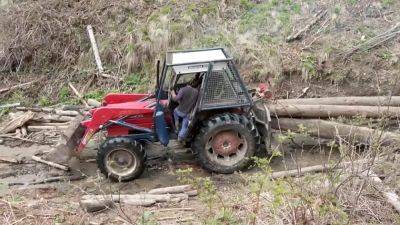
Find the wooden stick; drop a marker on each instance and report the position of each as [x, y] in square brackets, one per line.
[50, 180]
[55, 165]
[391, 197]
[89, 29]
[78, 94]
[8, 160]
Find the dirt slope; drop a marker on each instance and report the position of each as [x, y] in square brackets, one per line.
[48, 38]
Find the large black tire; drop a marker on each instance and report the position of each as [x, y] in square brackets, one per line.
[215, 143]
[123, 150]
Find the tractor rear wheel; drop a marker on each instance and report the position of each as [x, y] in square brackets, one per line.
[121, 159]
[226, 143]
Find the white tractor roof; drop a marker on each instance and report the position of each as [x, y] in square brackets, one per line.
[195, 56]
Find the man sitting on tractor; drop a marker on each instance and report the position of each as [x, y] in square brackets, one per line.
[186, 97]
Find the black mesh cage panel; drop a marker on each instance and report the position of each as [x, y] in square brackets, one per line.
[223, 88]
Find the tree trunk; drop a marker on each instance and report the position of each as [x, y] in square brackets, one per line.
[326, 111]
[355, 100]
[332, 130]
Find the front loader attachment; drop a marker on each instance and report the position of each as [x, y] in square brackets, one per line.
[68, 143]
[262, 118]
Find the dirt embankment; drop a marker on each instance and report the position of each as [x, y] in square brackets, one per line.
[48, 38]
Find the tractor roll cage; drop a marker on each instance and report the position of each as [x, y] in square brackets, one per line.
[221, 87]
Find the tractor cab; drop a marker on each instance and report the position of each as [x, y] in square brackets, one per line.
[218, 82]
[224, 130]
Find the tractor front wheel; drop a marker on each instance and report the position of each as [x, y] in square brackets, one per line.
[226, 143]
[121, 159]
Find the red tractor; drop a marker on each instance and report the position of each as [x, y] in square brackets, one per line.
[224, 129]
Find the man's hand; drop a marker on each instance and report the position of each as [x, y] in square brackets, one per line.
[173, 94]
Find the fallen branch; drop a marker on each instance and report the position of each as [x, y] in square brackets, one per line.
[8, 160]
[76, 92]
[391, 197]
[50, 180]
[52, 164]
[302, 31]
[375, 41]
[320, 168]
[26, 139]
[17, 86]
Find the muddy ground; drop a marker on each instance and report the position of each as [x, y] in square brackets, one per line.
[58, 202]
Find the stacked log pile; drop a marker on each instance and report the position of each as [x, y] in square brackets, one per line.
[37, 124]
[318, 117]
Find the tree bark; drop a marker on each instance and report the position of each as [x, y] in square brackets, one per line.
[326, 111]
[332, 130]
[351, 100]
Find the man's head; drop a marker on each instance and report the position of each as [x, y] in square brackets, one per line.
[196, 81]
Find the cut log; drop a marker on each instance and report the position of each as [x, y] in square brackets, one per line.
[354, 100]
[17, 122]
[391, 197]
[92, 203]
[63, 124]
[52, 118]
[93, 102]
[333, 130]
[52, 164]
[40, 128]
[327, 111]
[171, 190]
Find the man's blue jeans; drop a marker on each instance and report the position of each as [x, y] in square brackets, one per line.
[184, 118]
